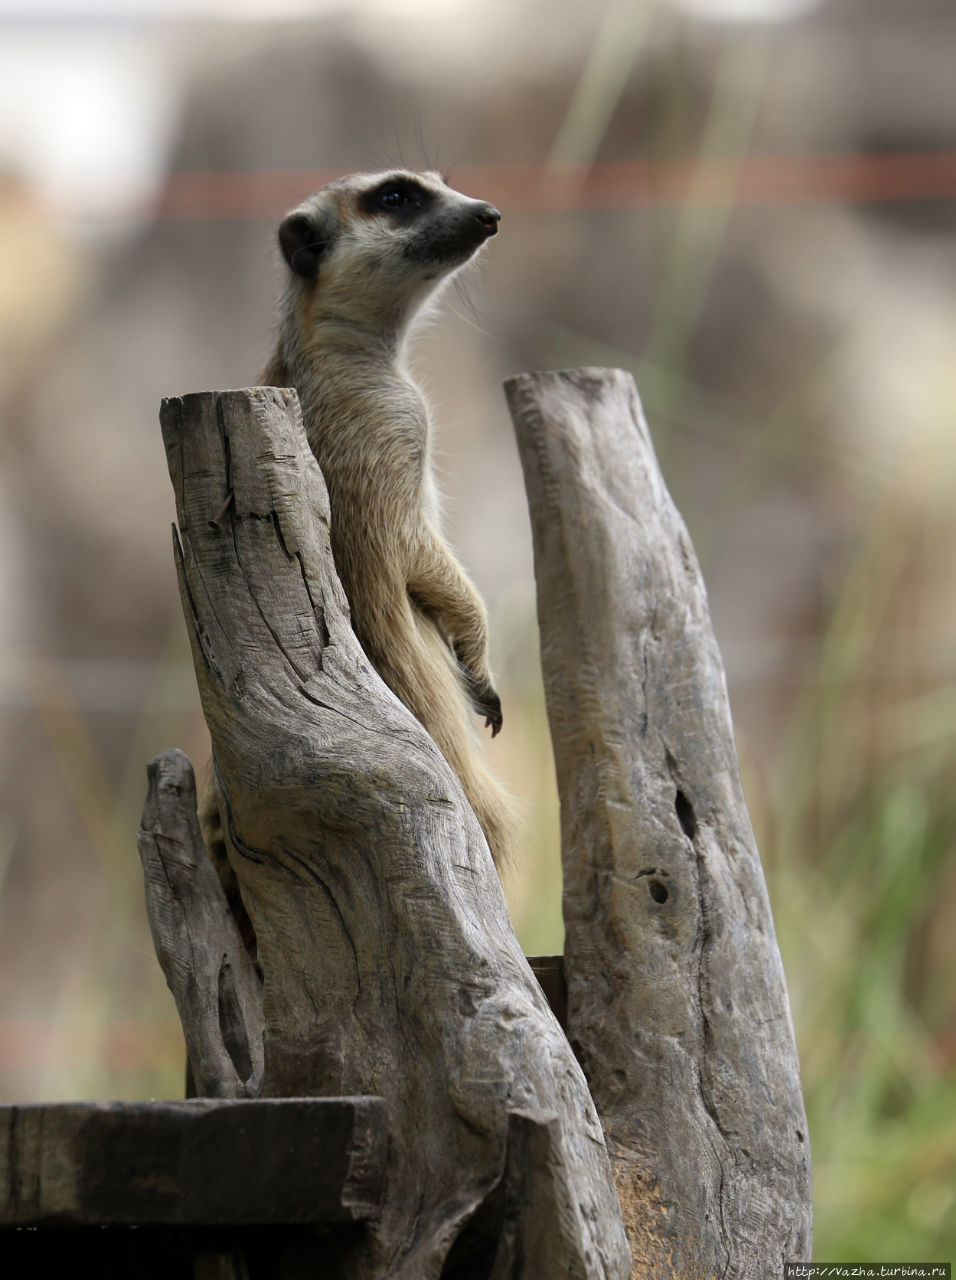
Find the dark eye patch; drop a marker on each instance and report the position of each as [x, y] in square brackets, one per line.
[397, 198]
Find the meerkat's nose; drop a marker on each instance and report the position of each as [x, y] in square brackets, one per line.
[489, 217]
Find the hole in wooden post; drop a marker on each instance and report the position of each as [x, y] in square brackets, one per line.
[658, 891]
[685, 815]
[232, 1023]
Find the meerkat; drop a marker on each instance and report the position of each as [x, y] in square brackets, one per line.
[364, 256]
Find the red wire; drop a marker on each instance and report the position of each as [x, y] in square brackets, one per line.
[633, 184]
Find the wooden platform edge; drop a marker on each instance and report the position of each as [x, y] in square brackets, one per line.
[200, 1161]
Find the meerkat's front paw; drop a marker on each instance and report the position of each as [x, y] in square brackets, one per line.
[483, 698]
[490, 706]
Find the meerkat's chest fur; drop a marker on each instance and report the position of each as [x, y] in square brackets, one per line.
[364, 415]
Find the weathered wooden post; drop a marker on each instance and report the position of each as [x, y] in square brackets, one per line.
[443, 1129]
[677, 1006]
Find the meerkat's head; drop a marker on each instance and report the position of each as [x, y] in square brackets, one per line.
[370, 248]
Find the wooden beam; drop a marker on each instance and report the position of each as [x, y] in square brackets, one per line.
[191, 1162]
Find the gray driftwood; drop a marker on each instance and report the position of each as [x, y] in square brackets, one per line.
[389, 964]
[676, 1000]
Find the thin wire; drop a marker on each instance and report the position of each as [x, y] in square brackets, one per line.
[887, 177]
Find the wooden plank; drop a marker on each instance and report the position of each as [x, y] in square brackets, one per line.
[196, 1161]
[677, 1007]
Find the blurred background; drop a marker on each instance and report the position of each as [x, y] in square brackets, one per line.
[750, 204]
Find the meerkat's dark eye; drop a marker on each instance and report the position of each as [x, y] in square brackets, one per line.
[399, 198]
[394, 198]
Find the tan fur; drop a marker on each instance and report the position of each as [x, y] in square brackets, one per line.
[360, 271]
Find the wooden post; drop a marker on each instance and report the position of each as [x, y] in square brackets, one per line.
[677, 1007]
[389, 966]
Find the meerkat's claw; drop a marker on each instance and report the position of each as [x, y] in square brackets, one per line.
[492, 709]
[484, 699]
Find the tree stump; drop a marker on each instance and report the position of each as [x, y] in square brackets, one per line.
[676, 1003]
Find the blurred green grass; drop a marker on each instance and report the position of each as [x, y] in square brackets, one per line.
[859, 844]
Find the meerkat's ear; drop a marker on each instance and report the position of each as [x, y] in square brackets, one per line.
[303, 240]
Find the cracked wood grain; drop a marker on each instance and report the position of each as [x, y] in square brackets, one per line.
[389, 966]
[676, 1002]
